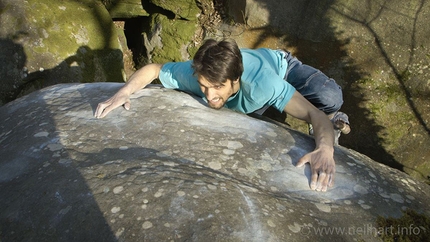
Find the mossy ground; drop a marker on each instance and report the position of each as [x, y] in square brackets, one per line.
[384, 108]
[411, 227]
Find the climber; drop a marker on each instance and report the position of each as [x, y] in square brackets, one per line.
[250, 81]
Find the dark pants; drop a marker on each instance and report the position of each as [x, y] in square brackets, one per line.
[320, 90]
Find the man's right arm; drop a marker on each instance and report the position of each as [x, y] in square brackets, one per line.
[137, 81]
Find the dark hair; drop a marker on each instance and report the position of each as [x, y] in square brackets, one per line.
[218, 61]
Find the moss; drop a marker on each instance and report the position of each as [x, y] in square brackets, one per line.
[125, 9]
[192, 49]
[410, 227]
[389, 107]
[88, 42]
[71, 32]
[185, 9]
[421, 171]
[176, 36]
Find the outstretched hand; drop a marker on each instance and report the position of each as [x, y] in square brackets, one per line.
[322, 168]
[107, 106]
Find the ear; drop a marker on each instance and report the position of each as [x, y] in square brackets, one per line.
[235, 84]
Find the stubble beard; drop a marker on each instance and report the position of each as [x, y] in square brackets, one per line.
[218, 105]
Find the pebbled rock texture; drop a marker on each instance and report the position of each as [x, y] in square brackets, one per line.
[171, 169]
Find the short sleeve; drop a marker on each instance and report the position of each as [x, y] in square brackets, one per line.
[180, 75]
[282, 94]
[275, 92]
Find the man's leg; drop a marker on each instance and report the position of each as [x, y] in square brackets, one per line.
[322, 91]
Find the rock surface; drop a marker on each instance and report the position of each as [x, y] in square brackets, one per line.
[173, 169]
[121, 9]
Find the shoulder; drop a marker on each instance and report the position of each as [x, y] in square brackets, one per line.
[180, 71]
[178, 75]
[258, 65]
[260, 53]
[177, 66]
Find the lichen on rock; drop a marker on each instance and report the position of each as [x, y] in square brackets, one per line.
[62, 41]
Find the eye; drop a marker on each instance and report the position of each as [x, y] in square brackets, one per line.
[218, 87]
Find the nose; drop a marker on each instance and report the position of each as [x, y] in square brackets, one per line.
[209, 92]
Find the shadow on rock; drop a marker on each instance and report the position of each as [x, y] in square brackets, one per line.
[172, 168]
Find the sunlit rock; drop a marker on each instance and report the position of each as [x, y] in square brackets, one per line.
[173, 169]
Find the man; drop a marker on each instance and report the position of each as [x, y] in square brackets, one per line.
[249, 81]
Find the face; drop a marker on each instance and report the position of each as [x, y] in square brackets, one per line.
[218, 94]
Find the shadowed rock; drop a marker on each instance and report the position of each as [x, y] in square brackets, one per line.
[173, 169]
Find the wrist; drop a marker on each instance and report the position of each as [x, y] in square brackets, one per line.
[326, 147]
[126, 90]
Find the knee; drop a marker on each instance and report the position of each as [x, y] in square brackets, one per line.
[331, 97]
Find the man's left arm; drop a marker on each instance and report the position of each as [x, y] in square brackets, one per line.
[321, 159]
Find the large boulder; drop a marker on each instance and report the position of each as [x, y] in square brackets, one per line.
[47, 42]
[173, 169]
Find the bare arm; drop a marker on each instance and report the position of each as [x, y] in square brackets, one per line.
[321, 159]
[137, 81]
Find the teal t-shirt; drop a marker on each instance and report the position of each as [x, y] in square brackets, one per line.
[262, 82]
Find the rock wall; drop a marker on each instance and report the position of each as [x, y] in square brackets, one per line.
[50, 42]
[173, 169]
[56, 42]
[173, 32]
